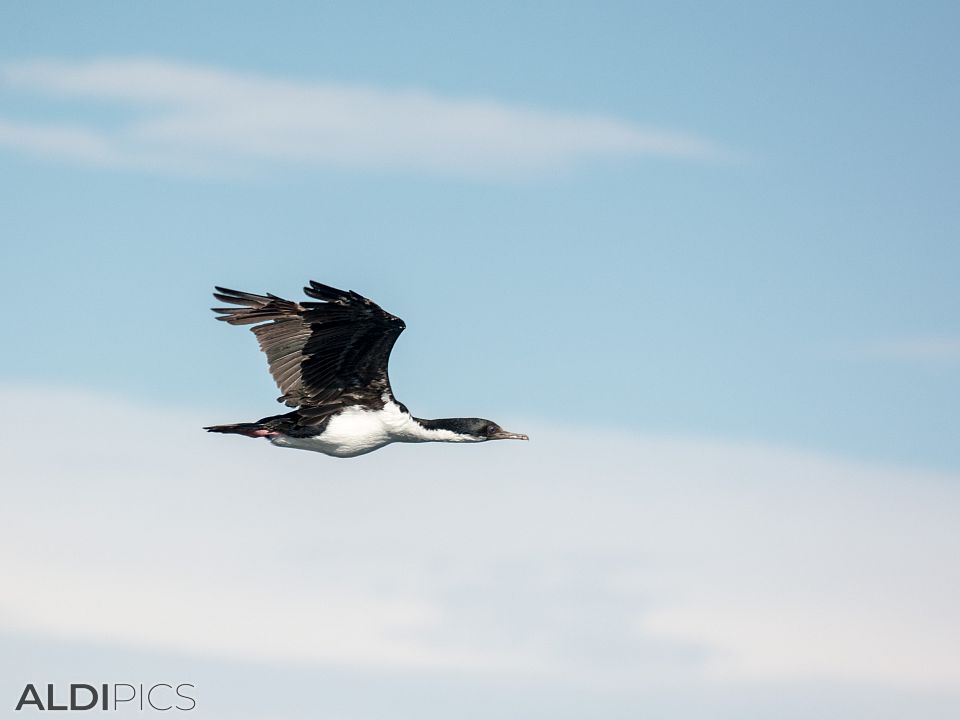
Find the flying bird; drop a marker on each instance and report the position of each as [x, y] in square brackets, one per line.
[329, 359]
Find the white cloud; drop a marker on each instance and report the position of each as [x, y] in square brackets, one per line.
[617, 560]
[200, 118]
[68, 142]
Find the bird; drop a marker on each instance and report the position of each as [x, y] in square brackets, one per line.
[329, 357]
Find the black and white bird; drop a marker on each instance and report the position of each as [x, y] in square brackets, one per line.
[329, 359]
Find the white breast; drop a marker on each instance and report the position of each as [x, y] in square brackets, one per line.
[357, 431]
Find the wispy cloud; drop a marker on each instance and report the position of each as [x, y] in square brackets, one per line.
[67, 142]
[201, 118]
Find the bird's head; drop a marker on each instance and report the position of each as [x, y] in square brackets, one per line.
[482, 430]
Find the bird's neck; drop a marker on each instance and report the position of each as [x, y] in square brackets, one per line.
[452, 424]
[441, 430]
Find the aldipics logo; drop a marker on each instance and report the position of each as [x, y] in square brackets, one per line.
[116, 696]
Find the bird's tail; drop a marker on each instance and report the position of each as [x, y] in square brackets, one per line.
[253, 430]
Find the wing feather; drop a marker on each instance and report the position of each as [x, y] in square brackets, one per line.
[323, 354]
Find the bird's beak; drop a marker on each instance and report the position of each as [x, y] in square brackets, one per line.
[504, 435]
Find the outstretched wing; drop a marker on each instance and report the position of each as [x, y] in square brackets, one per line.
[322, 355]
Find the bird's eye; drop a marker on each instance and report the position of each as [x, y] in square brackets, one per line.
[490, 429]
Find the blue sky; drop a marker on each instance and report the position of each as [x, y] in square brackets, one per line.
[774, 292]
[713, 249]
